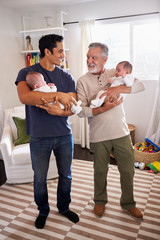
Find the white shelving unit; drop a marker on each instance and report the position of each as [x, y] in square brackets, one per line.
[38, 33]
[43, 29]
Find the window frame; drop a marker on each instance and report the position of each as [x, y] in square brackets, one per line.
[134, 21]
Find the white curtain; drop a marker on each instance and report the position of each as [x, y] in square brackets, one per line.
[153, 132]
[87, 36]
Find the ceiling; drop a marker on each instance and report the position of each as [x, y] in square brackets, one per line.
[28, 4]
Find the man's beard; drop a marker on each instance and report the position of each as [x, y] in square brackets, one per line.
[93, 70]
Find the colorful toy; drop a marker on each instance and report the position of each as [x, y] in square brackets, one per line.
[140, 165]
[155, 166]
[156, 147]
[148, 146]
[136, 164]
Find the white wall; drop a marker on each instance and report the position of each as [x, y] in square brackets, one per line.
[106, 8]
[11, 59]
[138, 108]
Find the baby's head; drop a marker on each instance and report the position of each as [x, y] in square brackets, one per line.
[35, 80]
[123, 68]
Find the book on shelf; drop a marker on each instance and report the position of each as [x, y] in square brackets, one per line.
[31, 59]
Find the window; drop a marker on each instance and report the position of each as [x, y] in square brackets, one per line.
[133, 39]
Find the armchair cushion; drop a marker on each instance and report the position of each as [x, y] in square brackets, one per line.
[21, 131]
[12, 123]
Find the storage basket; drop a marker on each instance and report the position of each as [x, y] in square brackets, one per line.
[145, 157]
[132, 129]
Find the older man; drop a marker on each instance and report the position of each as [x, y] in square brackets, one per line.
[108, 129]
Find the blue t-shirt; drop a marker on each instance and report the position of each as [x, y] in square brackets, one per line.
[38, 122]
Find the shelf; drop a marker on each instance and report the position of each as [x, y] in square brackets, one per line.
[31, 54]
[37, 51]
[43, 29]
[30, 51]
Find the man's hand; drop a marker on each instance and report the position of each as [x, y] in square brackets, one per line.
[50, 108]
[66, 99]
[111, 104]
[51, 85]
[112, 94]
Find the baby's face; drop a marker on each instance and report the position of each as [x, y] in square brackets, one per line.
[120, 70]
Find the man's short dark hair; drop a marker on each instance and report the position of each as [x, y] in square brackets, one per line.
[49, 41]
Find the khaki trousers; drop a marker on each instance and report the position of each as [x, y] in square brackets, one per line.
[124, 155]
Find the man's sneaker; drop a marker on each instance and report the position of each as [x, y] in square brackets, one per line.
[99, 210]
[135, 213]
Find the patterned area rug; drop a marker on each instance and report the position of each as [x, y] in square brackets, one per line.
[18, 211]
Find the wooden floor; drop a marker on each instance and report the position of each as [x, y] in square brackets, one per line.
[79, 153]
[82, 153]
[18, 210]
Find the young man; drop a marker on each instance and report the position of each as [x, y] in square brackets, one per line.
[108, 129]
[50, 133]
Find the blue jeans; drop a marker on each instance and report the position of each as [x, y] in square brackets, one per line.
[41, 148]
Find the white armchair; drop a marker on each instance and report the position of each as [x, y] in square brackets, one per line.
[17, 159]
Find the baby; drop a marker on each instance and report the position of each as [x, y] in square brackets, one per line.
[36, 82]
[122, 76]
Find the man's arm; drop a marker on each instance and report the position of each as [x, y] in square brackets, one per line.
[29, 97]
[113, 93]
